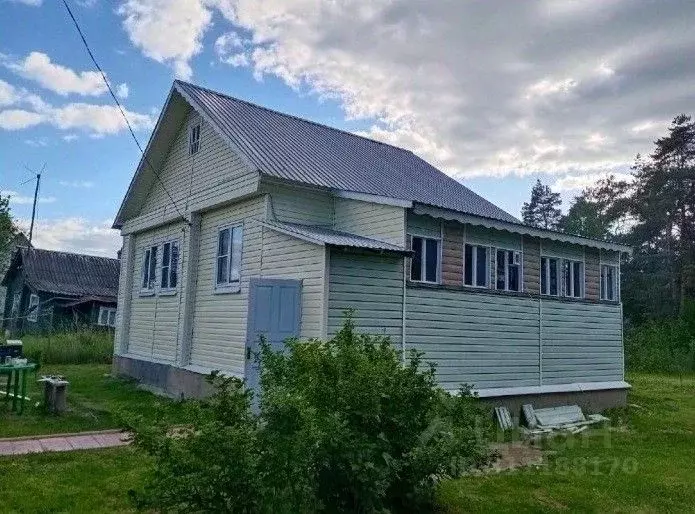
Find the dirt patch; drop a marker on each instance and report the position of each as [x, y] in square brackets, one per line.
[516, 455]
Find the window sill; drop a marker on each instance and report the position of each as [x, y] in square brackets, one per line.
[227, 290]
[146, 293]
[167, 292]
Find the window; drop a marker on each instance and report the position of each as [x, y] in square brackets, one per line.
[149, 269]
[549, 276]
[33, 314]
[194, 139]
[424, 266]
[508, 270]
[107, 317]
[228, 269]
[170, 263]
[573, 272]
[16, 300]
[609, 282]
[476, 266]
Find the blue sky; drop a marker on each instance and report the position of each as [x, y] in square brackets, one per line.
[565, 91]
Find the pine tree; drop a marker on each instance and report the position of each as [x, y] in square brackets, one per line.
[543, 210]
[7, 229]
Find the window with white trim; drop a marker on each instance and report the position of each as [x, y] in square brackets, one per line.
[33, 313]
[16, 301]
[194, 139]
[107, 316]
[228, 264]
[609, 282]
[424, 265]
[550, 271]
[149, 269]
[170, 264]
[508, 270]
[476, 265]
[573, 272]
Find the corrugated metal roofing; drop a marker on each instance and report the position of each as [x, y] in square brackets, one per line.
[319, 234]
[291, 148]
[70, 274]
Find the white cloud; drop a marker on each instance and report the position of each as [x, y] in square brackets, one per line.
[230, 47]
[70, 138]
[17, 119]
[20, 199]
[38, 67]
[122, 91]
[8, 94]
[32, 3]
[82, 184]
[36, 142]
[579, 182]
[168, 31]
[75, 235]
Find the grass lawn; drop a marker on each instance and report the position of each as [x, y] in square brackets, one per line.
[644, 464]
[94, 398]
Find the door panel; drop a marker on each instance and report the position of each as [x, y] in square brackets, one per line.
[275, 314]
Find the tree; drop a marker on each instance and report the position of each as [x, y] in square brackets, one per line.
[7, 230]
[543, 210]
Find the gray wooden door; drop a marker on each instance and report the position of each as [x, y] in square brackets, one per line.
[274, 313]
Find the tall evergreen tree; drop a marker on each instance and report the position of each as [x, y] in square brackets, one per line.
[543, 210]
[7, 229]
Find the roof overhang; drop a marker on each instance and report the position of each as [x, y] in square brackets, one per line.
[518, 228]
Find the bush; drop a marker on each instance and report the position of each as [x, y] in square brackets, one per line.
[78, 347]
[665, 345]
[341, 426]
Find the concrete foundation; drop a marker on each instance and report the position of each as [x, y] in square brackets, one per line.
[163, 378]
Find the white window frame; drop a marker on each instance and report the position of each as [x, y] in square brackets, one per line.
[148, 288]
[545, 270]
[231, 286]
[506, 269]
[603, 285]
[33, 313]
[166, 268]
[110, 317]
[194, 139]
[474, 268]
[16, 304]
[582, 287]
[423, 260]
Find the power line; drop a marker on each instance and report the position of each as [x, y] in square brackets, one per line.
[120, 108]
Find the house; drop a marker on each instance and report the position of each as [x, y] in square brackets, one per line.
[49, 290]
[19, 240]
[242, 221]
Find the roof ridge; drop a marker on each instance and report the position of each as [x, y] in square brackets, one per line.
[33, 249]
[293, 116]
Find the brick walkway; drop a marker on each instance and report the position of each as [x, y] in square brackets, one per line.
[64, 442]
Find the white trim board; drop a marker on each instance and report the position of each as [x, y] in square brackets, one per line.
[577, 387]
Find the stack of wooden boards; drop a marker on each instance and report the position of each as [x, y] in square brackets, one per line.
[568, 418]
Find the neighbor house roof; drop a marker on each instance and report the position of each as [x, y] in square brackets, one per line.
[327, 236]
[286, 147]
[68, 274]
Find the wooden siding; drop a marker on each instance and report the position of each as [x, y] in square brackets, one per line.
[125, 296]
[491, 237]
[609, 257]
[592, 273]
[481, 339]
[452, 254]
[153, 332]
[531, 265]
[382, 222]
[582, 342]
[287, 257]
[296, 204]
[372, 285]
[423, 226]
[219, 320]
[562, 250]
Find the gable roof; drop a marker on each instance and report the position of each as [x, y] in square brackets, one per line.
[290, 148]
[67, 274]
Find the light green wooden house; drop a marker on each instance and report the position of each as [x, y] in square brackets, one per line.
[242, 221]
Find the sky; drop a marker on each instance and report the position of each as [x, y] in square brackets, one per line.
[497, 94]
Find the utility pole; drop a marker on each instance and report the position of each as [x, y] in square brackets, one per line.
[36, 197]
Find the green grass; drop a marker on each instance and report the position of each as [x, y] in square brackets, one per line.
[94, 399]
[77, 347]
[644, 464]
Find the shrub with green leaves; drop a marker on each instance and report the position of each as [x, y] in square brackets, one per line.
[341, 426]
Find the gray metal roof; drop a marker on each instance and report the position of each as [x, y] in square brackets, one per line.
[322, 235]
[290, 148]
[68, 274]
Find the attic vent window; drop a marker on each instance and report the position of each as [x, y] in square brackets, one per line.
[194, 139]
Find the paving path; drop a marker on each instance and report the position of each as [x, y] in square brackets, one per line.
[64, 442]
